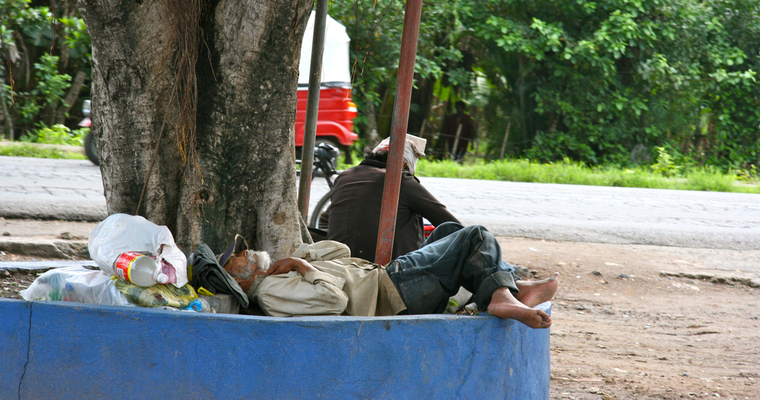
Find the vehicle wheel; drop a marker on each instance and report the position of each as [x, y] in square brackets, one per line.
[319, 218]
[90, 149]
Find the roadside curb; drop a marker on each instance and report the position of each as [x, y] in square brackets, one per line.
[715, 278]
[53, 248]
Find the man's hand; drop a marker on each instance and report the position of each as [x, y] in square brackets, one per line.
[290, 264]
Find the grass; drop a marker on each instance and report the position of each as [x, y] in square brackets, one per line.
[566, 172]
[20, 149]
[574, 173]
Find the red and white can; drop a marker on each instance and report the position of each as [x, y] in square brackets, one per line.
[127, 261]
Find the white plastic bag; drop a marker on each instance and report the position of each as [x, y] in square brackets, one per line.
[120, 233]
[77, 284]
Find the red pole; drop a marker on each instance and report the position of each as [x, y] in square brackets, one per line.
[399, 124]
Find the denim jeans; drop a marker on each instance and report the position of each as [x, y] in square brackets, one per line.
[452, 257]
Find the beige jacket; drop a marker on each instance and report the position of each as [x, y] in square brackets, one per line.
[342, 286]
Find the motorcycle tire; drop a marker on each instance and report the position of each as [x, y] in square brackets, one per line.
[90, 149]
[319, 218]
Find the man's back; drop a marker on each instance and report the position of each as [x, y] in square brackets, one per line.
[355, 210]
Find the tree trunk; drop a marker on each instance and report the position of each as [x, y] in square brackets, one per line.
[71, 97]
[422, 96]
[209, 88]
[371, 135]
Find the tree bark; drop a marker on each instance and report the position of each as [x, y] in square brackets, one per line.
[229, 167]
[422, 96]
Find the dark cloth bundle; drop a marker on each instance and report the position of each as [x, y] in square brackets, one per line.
[207, 273]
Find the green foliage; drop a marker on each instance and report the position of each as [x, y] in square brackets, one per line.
[665, 164]
[58, 134]
[50, 90]
[567, 171]
[42, 48]
[588, 80]
[30, 150]
[442, 64]
[76, 38]
[608, 75]
[747, 175]
[709, 180]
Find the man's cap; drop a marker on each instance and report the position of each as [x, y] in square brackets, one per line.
[237, 245]
[415, 142]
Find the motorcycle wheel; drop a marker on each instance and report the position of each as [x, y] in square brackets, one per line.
[320, 219]
[90, 149]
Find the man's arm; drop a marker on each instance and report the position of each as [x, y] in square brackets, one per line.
[291, 264]
[294, 287]
[424, 203]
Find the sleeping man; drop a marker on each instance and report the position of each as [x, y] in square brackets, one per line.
[322, 279]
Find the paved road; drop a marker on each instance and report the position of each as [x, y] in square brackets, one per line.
[72, 190]
[50, 189]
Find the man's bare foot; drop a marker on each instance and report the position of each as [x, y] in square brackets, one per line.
[533, 293]
[505, 305]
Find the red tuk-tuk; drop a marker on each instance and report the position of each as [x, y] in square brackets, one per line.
[335, 121]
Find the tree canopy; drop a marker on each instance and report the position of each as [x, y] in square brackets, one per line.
[46, 61]
[588, 80]
[606, 81]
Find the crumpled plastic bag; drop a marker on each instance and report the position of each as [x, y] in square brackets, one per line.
[157, 295]
[77, 284]
[120, 233]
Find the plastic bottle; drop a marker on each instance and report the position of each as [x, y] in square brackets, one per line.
[139, 269]
[57, 288]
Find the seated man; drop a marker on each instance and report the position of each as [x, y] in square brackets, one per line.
[419, 282]
[357, 199]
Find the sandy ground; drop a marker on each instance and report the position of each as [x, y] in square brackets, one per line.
[632, 322]
[629, 323]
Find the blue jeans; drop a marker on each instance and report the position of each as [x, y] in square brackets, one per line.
[452, 257]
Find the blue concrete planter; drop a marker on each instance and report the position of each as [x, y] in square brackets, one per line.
[67, 350]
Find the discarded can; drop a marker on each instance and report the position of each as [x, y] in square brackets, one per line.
[139, 269]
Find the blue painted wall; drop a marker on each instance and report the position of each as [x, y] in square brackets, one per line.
[66, 350]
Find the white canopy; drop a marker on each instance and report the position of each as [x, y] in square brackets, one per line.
[335, 61]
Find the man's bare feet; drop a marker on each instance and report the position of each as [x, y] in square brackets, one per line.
[533, 293]
[505, 305]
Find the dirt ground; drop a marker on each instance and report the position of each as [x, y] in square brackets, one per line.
[632, 322]
[648, 322]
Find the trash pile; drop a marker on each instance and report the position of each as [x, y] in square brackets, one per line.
[138, 264]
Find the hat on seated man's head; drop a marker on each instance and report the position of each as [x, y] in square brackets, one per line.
[414, 149]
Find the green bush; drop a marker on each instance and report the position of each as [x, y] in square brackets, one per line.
[58, 134]
[29, 150]
[665, 164]
[663, 174]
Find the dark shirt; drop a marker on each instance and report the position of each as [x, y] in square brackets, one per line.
[355, 211]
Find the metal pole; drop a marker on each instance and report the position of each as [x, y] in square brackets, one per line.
[312, 108]
[398, 132]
